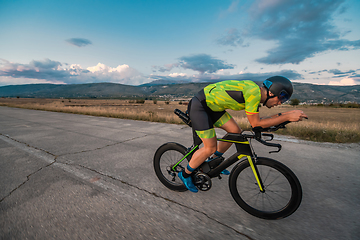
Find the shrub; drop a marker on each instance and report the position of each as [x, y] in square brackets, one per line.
[294, 102]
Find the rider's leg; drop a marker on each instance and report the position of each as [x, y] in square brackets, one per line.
[202, 118]
[197, 159]
[203, 153]
[231, 127]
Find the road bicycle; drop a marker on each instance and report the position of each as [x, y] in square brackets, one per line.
[261, 186]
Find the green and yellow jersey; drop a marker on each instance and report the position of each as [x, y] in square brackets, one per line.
[233, 94]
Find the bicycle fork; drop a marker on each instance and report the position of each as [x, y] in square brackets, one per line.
[255, 172]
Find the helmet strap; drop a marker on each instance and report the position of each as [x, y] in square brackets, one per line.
[268, 96]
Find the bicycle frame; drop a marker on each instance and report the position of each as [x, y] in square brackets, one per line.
[243, 148]
[283, 192]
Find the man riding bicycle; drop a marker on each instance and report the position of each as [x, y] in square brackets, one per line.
[207, 109]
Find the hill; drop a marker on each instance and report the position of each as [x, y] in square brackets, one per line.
[303, 91]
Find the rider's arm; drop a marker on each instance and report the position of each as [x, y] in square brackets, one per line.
[292, 116]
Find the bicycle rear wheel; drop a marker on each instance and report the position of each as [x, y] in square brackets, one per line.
[165, 158]
[282, 195]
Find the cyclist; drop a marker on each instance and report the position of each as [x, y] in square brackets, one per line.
[207, 109]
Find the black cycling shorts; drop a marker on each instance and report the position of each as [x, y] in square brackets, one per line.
[204, 119]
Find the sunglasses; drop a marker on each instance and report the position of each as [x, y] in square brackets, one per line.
[283, 96]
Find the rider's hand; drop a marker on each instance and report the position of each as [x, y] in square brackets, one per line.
[295, 115]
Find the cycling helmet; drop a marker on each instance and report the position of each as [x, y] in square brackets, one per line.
[280, 86]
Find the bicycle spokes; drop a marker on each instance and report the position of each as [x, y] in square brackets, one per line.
[276, 196]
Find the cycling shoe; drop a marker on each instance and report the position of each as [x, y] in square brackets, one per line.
[225, 172]
[188, 183]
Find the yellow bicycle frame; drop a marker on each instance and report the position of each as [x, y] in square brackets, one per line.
[255, 171]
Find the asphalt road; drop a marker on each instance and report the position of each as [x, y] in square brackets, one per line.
[66, 176]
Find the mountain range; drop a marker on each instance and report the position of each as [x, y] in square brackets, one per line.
[162, 89]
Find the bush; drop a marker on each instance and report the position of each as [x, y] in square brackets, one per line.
[294, 102]
[344, 105]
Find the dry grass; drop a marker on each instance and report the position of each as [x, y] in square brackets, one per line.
[325, 124]
[148, 111]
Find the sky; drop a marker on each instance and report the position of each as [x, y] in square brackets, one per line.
[136, 42]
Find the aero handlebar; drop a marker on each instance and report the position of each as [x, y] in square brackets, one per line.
[258, 131]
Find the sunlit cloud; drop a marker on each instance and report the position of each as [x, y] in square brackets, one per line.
[46, 69]
[177, 75]
[343, 82]
[121, 74]
[49, 71]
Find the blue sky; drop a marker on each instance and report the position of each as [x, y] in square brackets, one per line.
[135, 42]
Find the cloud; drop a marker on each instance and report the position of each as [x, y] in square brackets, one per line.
[178, 75]
[343, 82]
[123, 74]
[299, 28]
[49, 71]
[203, 63]
[79, 42]
[231, 9]
[165, 68]
[339, 73]
[298, 50]
[232, 38]
[210, 77]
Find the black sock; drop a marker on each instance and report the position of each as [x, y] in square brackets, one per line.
[185, 175]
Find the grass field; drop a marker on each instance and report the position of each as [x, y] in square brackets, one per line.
[325, 124]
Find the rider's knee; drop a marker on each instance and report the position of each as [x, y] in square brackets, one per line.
[236, 130]
[210, 150]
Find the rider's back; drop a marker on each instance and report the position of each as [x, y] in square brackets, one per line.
[233, 94]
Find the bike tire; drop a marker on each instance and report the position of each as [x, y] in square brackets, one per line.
[165, 157]
[282, 195]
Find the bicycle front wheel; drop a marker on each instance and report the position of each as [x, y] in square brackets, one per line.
[282, 190]
[165, 158]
